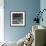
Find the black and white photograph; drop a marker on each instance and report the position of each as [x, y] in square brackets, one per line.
[17, 18]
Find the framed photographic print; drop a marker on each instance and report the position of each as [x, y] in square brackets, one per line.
[17, 18]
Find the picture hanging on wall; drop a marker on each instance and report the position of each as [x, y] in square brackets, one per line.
[17, 18]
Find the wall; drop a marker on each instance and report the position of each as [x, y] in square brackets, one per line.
[43, 6]
[30, 7]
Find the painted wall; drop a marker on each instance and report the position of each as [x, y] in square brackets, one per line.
[43, 6]
[30, 7]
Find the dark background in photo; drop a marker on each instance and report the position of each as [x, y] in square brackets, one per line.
[17, 18]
